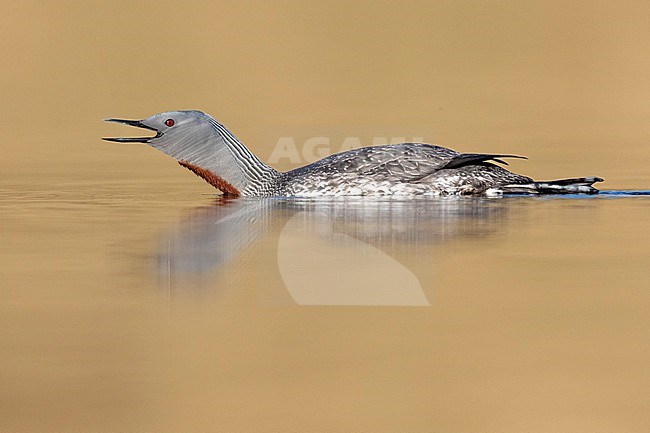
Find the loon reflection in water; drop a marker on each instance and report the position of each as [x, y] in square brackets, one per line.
[204, 146]
[211, 236]
[369, 243]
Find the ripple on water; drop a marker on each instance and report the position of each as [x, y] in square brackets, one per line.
[626, 193]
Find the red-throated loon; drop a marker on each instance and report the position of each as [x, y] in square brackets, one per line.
[204, 146]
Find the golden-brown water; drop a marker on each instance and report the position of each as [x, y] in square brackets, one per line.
[133, 300]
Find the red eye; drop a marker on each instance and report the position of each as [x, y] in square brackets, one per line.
[169, 122]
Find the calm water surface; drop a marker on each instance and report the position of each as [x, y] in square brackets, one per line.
[132, 300]
[149, 307]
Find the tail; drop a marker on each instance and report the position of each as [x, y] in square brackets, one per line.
[579, 185]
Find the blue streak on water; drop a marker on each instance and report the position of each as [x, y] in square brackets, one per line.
[606, 194]
[625, 193]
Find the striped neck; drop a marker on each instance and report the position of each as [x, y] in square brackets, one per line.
[255, 173]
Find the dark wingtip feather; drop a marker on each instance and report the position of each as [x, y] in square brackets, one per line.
[477, 158]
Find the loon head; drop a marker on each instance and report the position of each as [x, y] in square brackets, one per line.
[170, 127]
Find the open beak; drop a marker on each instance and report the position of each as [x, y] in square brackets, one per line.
[137, 124]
